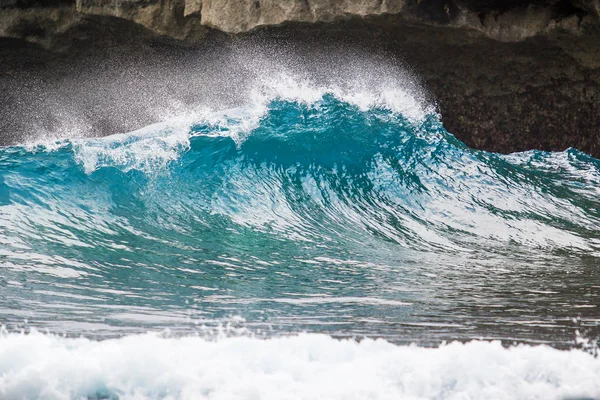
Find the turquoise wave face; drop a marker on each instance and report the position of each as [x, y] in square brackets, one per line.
[319, 217]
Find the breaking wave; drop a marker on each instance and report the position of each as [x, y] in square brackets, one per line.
[341, 212]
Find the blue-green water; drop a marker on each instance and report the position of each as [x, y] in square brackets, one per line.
[319, 217]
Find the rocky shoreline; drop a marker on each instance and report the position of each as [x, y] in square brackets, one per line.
[506, 76]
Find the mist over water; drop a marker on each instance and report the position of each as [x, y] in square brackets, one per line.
[280, 194]
[101, 93]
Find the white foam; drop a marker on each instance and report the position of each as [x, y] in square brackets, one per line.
[149, 149]
[307, 366]
[363, 85]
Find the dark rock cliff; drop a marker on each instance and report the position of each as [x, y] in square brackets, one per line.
[506, 75]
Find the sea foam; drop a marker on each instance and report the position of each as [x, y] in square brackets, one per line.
[306, 366]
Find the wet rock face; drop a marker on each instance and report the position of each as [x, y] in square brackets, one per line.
[539, 93]
[507, 75]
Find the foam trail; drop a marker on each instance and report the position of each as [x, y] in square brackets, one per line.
[307, 366]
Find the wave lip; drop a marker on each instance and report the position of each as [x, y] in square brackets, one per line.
[306, 366]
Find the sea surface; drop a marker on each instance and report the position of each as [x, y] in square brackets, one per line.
[313, 243]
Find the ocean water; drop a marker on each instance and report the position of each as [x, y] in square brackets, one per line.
[313, 243]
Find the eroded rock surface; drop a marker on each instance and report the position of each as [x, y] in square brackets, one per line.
[186, 19]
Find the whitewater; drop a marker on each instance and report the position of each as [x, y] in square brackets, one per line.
[312, 237]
